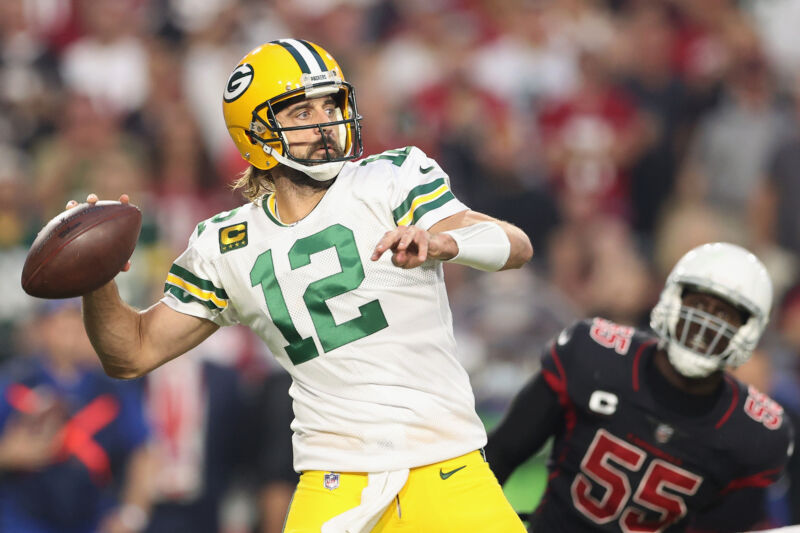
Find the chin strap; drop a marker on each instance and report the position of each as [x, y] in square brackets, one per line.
[691, 364]
[321, 172]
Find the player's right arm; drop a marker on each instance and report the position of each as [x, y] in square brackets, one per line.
[538, 411]
[533, 417]
[131, 343]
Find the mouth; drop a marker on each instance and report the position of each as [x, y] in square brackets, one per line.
[698, 343]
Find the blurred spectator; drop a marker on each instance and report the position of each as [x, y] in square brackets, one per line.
[590, 139]
[276, 477]
[28, 77]
[18, 226]
[777, 22]
[212, 46]
[683, 227]
[775, 213]
[109, 63]
[88, 153]
[198, 410]
[73, 443]
[646, 42]
[527, 59]
[497, 321]
[731, 147]
[599, 269]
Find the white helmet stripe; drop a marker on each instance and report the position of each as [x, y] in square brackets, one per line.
[299, 49]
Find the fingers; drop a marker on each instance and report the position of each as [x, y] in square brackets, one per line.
[92, 199]
[387, 241]
[409, 246]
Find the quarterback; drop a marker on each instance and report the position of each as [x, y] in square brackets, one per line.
[336, 263]
[650, 432]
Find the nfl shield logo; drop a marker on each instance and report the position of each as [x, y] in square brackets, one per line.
[331, 481]
[664, 433]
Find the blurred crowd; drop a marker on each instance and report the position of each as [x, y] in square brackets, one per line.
[617, 133]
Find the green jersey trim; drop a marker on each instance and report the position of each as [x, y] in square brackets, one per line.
[268, 204]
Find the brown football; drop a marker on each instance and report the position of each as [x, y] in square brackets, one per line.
[81, 249]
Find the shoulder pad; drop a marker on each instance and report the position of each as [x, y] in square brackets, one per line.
[396, 156]
[569, 333]
[217, 219]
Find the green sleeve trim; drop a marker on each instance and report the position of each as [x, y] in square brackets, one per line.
[426, 188]
[198, 282]
[186, 298]
[430, 206]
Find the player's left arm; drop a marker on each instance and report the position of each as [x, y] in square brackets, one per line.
[467, 237]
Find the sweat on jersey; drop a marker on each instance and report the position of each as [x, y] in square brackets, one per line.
[370, 347]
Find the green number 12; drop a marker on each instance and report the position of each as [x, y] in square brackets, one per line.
[331, 335]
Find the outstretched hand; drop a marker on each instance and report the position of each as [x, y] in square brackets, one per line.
[411, 246]
[92, 199]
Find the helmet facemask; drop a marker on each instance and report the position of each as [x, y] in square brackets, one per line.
[734, 276]
[699, 343]
[266, 130]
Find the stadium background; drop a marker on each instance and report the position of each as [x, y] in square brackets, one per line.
[617, 133]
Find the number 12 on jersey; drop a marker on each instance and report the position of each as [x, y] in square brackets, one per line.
[330, 334]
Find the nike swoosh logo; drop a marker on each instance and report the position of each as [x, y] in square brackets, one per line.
[445, 475]
[425, 170]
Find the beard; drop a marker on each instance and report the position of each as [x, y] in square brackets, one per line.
[334, 151]
[304, 180]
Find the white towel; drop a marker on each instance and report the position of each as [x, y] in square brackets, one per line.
[381, 489]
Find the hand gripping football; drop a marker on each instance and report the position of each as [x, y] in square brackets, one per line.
[81, 249]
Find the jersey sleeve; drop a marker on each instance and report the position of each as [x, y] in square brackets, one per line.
[421, 195]
[193, 286]
[766, 443]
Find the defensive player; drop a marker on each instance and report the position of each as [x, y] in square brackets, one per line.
[385, 431]
[650, 431]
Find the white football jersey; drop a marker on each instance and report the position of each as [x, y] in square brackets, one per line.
[370, 346]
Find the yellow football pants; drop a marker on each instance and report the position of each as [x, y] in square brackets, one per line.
[454, 496]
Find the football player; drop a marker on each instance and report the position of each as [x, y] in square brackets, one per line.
[650, 431]
[337, 265]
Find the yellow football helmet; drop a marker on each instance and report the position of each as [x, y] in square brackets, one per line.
[276, 72]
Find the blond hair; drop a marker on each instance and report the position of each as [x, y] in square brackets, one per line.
[254, 183]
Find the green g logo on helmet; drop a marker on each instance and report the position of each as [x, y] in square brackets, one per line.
[238, 83]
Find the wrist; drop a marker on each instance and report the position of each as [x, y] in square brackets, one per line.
[446, 247]
[484, 246]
